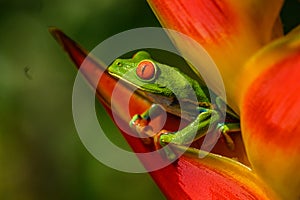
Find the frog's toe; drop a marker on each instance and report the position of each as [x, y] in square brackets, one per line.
[224, 130]
[135, 120]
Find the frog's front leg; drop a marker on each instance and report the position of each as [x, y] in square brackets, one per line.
[140, 122]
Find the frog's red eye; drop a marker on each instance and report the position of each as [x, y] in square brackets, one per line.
[146, 70]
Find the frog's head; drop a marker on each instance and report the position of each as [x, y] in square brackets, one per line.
[140, 70]
[130, 68]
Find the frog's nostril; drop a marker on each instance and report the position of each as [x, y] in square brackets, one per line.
[119, 64]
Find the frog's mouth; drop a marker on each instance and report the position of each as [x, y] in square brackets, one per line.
[139, 88]
[131, 85]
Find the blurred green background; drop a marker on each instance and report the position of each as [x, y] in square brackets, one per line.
[41, 156]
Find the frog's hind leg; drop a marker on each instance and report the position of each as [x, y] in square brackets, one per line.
[195, 130]
[184, 137]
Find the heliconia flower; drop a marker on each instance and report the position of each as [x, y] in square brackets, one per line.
[213, 177]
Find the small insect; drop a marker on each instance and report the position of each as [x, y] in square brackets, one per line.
[27, 73]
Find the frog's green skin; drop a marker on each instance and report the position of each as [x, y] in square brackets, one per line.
[157, 88]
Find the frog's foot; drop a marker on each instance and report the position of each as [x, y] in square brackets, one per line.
[226, 128]
[138, 120]
[140, 125]
[144, 118]
[161, 140]
[171, 150]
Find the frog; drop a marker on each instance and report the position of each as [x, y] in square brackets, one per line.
[169, 89]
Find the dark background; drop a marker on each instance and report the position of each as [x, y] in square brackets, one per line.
[41, 156]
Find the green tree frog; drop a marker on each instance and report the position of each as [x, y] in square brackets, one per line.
[167, 86]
